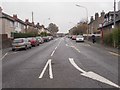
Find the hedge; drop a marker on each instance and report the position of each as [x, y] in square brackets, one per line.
[113, 38]
[25, 35]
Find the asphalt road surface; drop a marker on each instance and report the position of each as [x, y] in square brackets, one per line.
[60, 63]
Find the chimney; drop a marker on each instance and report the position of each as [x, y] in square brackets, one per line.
[91, 19]
[15, 16]
[0, 10]
[26, 20]
[96, 16]
[102, 13]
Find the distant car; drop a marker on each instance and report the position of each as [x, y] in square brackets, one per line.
[40, 39]
[20, 43]
[34, 42]
[74, 37]
[50, 38]
[79, 38]
[46, 39]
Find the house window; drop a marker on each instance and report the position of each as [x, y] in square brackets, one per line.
[11, 24]
[16, 24]
[19, 25]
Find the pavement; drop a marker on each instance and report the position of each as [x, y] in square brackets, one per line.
[115, 50]
[61, 63]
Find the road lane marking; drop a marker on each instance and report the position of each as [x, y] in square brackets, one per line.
[114, 53]
[56, 48]
[52, 53]
[93, 75]
[50, 69]
[77, 49]
[73, 47]
[4, 56]
[75, 65]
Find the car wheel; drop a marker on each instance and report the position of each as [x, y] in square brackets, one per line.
[13, 49]
[25, 47]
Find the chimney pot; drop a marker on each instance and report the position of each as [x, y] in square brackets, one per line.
[26, 20]
[0, 9]
[15, 16]
[96, 16]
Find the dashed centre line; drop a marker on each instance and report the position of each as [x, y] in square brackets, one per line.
[55, 48]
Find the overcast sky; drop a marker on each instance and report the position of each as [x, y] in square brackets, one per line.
[63, 13]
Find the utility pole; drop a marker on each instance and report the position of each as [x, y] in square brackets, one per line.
[32, 17]
[114, 13]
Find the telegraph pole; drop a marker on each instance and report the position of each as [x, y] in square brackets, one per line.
[32, 17]
[114, 13]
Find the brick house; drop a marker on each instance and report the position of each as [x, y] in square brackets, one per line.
[19, 25]
[94, 23]
[6, 24]
[10, 24]
[31, 27]
[109, 22]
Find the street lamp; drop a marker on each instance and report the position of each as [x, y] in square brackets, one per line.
[87, 15]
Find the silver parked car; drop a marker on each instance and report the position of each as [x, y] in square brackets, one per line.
[21, 43]
[79, 38]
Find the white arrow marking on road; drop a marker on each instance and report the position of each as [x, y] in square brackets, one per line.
[50, 69]
[93, 75]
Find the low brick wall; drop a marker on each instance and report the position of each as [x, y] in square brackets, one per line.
[5, 42]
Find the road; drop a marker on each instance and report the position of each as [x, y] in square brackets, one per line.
[61, 63]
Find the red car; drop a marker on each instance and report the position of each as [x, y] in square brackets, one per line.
[74, 37]
[34, 41]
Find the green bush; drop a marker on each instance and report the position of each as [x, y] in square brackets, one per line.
[113, 38]
[23, 35]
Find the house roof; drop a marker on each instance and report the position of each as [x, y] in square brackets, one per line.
[111, 23]
[4, 15]
[20, 21]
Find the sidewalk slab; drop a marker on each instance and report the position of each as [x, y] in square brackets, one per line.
[111, 49]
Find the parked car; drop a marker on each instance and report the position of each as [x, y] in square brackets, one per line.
[34, 42]
[20, 43]
[40, 39]
[46, 39]
[79, 38]
[74, 37]
[50, 38]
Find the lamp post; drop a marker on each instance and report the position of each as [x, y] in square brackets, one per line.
[86, 14]
[114, 12]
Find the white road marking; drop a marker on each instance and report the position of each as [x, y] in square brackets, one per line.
[52, 53]
[75, 65]
[93, 75]
[114, 53]
[50, 69]
[4, 56]
[76, 49]
[55, 48]
[73, 47]
[67, 45]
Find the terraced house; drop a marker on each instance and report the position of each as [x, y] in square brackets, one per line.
[11, 24]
